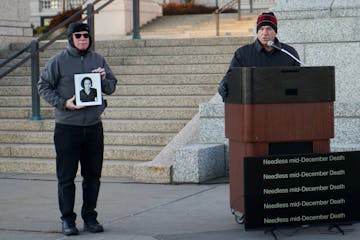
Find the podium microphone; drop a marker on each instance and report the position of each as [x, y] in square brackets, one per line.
[271, 44]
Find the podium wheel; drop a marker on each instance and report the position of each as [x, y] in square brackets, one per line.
[240, 219]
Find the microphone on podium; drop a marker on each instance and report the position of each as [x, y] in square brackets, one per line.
[271, 44]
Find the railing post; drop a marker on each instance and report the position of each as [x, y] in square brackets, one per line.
[217, 22]
[35, 69]
[251, 5]
[239, 9]
[136, 18]
[91, 23]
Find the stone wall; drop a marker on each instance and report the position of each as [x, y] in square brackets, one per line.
[325, 33]
[208, 157]
[14, 22]
[116, 20]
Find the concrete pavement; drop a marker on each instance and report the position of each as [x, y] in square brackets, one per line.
[135, 211]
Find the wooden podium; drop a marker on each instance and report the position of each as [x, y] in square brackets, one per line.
[276, 110]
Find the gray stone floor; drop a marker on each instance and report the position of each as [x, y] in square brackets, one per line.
[134, 211]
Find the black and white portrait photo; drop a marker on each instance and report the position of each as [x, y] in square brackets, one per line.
[88, 93]
[88, 89]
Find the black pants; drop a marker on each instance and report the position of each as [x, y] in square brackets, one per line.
[74, 144]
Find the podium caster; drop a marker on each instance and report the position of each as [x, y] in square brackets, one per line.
[239, 216]
[240, 219]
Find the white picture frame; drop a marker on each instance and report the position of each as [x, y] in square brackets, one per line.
[88, 96]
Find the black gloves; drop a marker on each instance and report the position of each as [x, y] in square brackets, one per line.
[223, 89]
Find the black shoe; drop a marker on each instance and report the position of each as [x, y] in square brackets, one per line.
[69, 229]
[93, 227]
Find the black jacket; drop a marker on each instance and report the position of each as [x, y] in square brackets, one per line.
[254, 55]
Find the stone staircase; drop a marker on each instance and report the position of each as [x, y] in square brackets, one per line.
[201, 25]
[161, 83]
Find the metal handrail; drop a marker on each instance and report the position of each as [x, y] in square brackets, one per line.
[34, 48]
[218, 11]
[230, 4]
[227, 5]
[40, 38]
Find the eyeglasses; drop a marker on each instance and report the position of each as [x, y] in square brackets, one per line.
[78, 35]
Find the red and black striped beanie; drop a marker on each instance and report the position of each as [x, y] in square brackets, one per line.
[266, 19]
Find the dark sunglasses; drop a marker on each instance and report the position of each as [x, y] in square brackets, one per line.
[78, 35]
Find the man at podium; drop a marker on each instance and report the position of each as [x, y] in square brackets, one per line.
[265, 51]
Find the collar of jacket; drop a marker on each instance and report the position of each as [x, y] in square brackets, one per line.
[76, 52]
[259, 47]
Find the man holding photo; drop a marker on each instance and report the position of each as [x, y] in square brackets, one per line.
[78, 134]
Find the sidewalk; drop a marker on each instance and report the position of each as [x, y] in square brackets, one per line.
[134, 211]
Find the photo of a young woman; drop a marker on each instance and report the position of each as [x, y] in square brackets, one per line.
[87, 94]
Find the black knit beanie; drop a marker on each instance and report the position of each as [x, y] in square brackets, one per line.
[78, 27]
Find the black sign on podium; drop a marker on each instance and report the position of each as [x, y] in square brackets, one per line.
[301, 189]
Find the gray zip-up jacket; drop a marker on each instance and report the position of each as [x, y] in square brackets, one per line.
[56, 85]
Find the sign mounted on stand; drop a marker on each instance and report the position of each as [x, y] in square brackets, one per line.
[302, 189]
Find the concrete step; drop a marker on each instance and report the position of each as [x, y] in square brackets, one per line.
[233, 24]
[47, 166]
[133, 90]
[145, 60]
[202, 26]
[159, 51]
[23, 112]
[211, 29]
[171, 69]
[110, 125]
[111, 113]
[133, 78]
[15, 91]
[182, 79]
[174, 50]
[25, 137]
[157, 47]
[179, 59]
[156, 101]
[150, 55]
[150, 113]
[145, 126]
[176, 20]
[15, 80]
[111, 152]
[151, 69]
[195, 20]
[205, 33]
[18, 101]
[166, 90]
[110, 138]
[137, 139]
[156, 42]
[119, 101]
